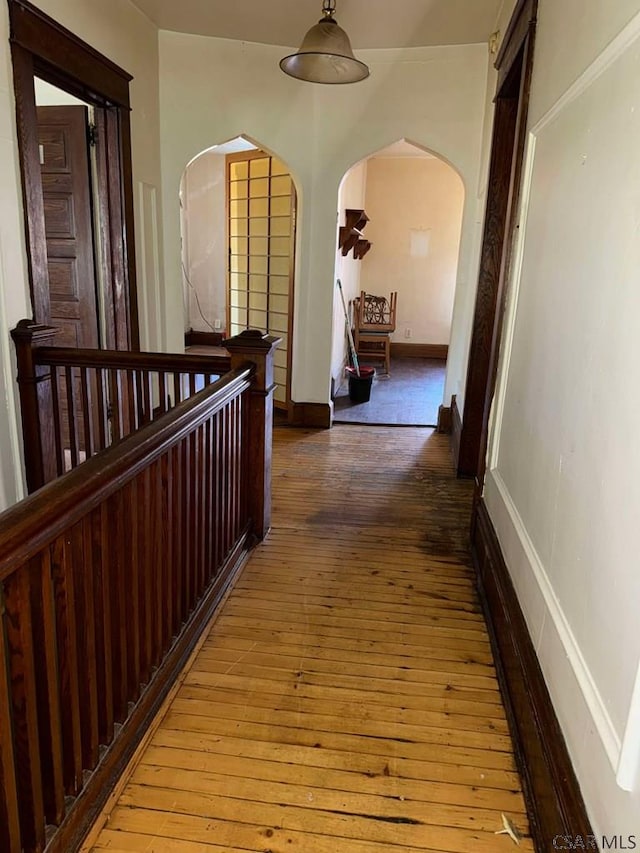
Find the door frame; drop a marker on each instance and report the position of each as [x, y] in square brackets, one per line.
[41, 47]
[514, 64]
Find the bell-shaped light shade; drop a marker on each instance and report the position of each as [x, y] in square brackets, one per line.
[325, 56]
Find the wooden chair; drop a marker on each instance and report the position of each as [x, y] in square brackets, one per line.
[374, 320]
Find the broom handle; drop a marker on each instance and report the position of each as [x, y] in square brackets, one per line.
[352, 346]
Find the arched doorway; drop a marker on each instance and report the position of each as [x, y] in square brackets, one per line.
[238, 204]
[413, 204]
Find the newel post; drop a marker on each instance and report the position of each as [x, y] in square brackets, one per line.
[36, 403]
[252, 346]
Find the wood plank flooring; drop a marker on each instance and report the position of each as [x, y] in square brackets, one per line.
[345, 699]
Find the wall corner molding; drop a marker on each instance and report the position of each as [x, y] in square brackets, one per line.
[550, 785]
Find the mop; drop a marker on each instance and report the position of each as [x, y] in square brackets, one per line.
[352, 346]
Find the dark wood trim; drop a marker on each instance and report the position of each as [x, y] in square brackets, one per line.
[90, 802]
[193, 338]
[314, 415]
[522, 20]
[503, 194]
[456, 431]
[61, 50]
[402, 350]
[40, 46]
[445, 422]
[551, 789]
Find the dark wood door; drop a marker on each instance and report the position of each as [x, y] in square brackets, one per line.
[66, 191]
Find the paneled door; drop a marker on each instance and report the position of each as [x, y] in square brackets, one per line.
[261, 202]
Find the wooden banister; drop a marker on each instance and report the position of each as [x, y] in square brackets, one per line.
[76, 402]
[108, 574]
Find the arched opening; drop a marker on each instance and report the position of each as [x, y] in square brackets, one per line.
[409, 242]
[238, 214]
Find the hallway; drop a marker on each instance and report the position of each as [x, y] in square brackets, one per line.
[345, 698]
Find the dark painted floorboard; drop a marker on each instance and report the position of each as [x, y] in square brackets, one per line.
[410, 396]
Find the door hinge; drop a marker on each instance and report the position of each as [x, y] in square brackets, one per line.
[92, 135]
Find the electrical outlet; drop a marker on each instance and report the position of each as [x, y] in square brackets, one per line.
[407, 333]
[217, 324]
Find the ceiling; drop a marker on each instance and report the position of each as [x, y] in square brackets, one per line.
[370, 23]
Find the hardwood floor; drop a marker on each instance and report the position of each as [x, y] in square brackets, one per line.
[345, 699]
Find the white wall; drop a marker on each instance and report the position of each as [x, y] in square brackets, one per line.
[204, 240]
[351, 196]
[564, 483]
[425, 196]
[125, 35]
[431, 96]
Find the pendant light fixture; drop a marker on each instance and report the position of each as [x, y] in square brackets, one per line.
[325, 55]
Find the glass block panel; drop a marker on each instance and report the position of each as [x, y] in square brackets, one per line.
[259, 265]
[238, 189]
[239, 245]
[279, 304]
[258, 246]
[238, 227]
[279, 284]
[281, 206]
[238, 209]
[280, 357]
[281, 185]
[238, 263]
[258, 300]
[279, 266]
[258, 319]
[259, 167]
[259, 207]
[237, 281]
[259, 188]
[278, 322]
[259, 227]
[238, 316]
[283, 335]
[236, 329]
[280, 394]
[258, 283]
[278, 167]
[280, 375]
[238, 298]
[280, 226]
[239, 171]
[280, 246]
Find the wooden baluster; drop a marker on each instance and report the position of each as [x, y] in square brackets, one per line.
[45, 642]
[57, 423]
[252, 346]
[167, 525]
[131, 401]
[178, 539]
[238, 467]
[145, 557]
[119, 592]
[114, 405]
[159, 556]
[207, 465]
[146, 397]
[102, 561]
[103, 425]
[177, 389]
[193, 523]
[71, 417]
[226, 463]
[219, 490]
[132, 569]
[82, 550]
[9, 815]
[123, 405]
[62, 571]
[199, 503]
[139, 381]
[87, 415]
[24, 707]
[192, 384]
[162, 386]
[36, 407]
